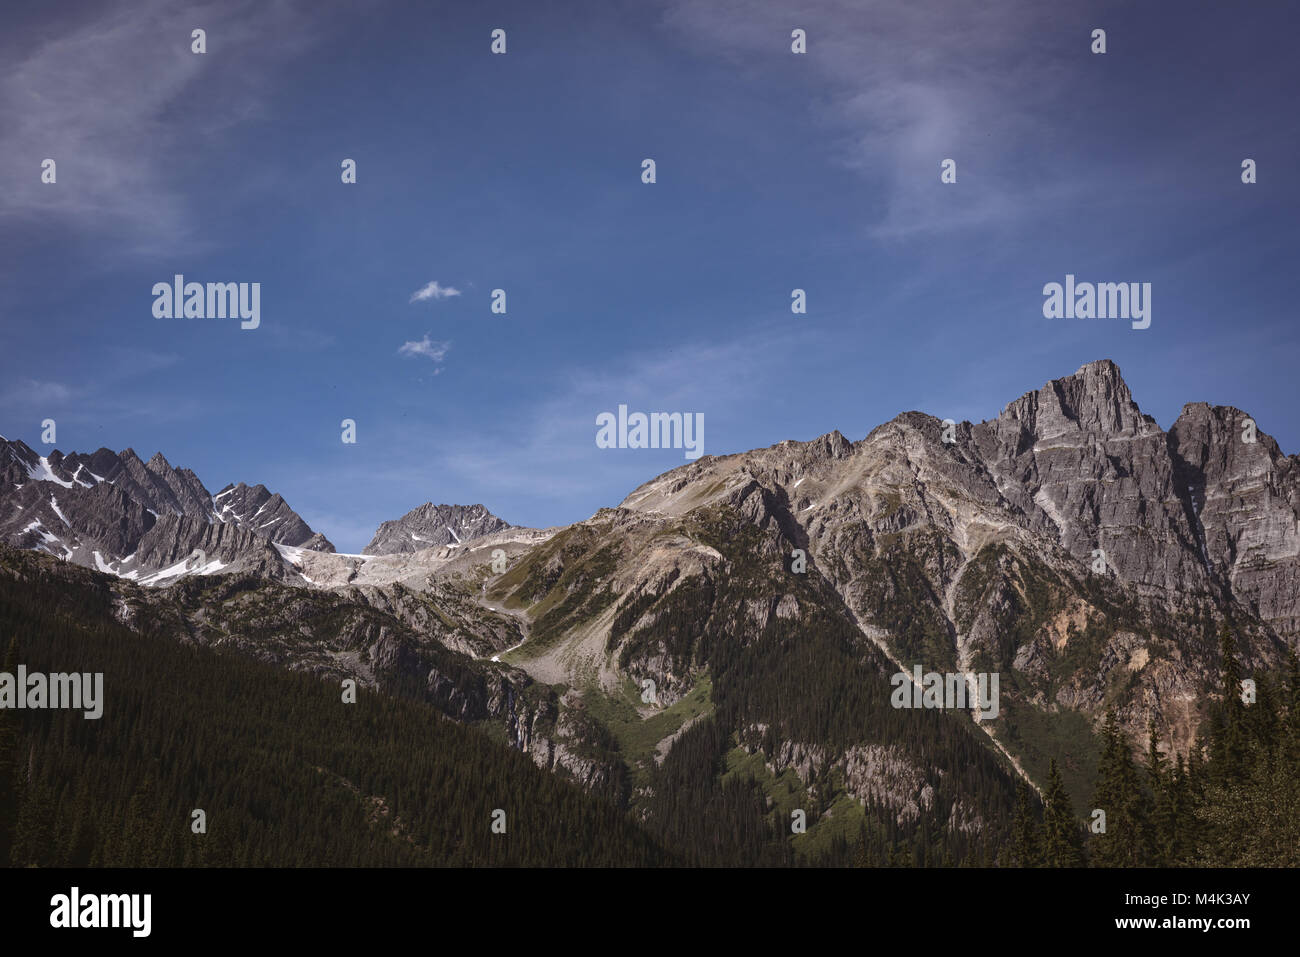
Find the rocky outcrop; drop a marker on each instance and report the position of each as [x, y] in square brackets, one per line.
[886, 776]
[433, 526]
[1082, 466]
[175, 538]
[1244, 499]
[268, 515]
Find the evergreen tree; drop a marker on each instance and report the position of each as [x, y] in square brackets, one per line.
[1118, 794]
[1227, 744]
[1061, 844]
[1246, 807]
[81, 834]
[1162, 783]
[1263, 720]
[1183, 827]
[862, 853]
[1025, 838]
[34, 844]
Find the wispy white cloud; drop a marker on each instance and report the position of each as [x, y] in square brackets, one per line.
[430, 348]
[124, 364]
[29, 393]
[91, 403]
[909, 84]
[118, 101]
[433, 291]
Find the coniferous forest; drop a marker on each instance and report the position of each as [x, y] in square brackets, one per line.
[286, 775]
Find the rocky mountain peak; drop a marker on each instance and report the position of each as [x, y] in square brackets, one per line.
[158, 464]
[1224, 439]
[832, 445]
[268, 514]
[1096, 400]
[98, 509]
[433, 526]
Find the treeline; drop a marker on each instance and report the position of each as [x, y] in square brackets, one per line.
[284, 771]
[1232, 801]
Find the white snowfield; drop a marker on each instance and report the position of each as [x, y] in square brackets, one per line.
[54, 504]
[182, 568]
[43, 473]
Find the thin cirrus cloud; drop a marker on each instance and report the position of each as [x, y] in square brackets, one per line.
[96, 392]
[553, 433]
[433, 291]
[910, 85]
[28, 393]
[89, 94]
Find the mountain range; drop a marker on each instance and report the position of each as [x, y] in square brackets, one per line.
[1070, 545]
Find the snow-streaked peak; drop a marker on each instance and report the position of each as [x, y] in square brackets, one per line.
[43, 473]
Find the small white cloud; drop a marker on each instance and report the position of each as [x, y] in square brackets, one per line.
[426, 347]
[434, 291]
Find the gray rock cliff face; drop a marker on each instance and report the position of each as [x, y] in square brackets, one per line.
[113, 512]
[1074, 468]
[1069, 539]
[432, 526]
[1244, 498]
[268, 515]
[1081, 464]
[175, 538]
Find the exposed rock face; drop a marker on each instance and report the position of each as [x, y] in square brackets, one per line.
[1081, 465]
[268, 515]
[112, 512]
[1074, 467]
[1070, 539]
[885, 775]
[1245, 499]
[174, 538]
[433, 526]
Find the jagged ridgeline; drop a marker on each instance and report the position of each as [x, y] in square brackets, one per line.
[713, 659]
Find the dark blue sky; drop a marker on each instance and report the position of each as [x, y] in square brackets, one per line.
[522, 172]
